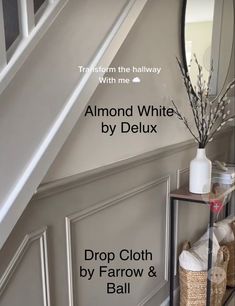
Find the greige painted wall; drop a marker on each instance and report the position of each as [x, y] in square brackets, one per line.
[121, 207]
[153, 41]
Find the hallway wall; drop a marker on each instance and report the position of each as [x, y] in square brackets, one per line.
[153, 41]
[123, 206]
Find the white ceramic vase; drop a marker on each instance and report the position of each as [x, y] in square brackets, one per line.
[200, 173]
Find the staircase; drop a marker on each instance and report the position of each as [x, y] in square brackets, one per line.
[43, 94]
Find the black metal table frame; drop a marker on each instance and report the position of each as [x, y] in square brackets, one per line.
[173, 244]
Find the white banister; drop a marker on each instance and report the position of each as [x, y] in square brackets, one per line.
[3, 57]
[26, 16]
[32, 27]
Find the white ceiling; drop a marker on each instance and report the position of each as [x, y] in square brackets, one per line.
[199, 10]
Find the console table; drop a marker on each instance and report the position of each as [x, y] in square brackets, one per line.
[211, 200]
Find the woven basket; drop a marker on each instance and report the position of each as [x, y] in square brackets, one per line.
[193, 285]
[231, 263]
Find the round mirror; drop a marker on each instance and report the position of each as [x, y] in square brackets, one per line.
[208, 27]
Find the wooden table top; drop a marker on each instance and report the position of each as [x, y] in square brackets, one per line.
[217, 194]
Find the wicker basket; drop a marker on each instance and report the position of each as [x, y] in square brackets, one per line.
[231, 263]
[193, 284]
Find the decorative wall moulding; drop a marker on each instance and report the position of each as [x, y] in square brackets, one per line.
[51, 188]
[40, 237]
[76, 217]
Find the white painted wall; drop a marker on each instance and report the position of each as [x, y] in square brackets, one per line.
[153, 41]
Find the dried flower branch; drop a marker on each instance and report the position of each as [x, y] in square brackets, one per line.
[210, 116]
